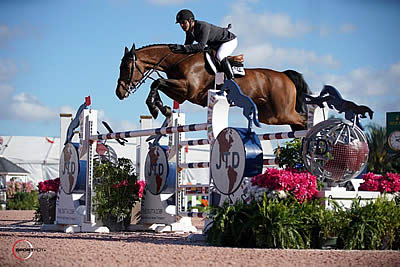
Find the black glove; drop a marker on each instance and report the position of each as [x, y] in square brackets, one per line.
[177, 48]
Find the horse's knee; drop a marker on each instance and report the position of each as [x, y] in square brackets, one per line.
[166, 111]
[155, 84]
[150, 100]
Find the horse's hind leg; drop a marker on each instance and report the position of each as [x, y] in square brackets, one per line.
[296, 122]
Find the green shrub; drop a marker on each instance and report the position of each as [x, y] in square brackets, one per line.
[373, 226]
[285, 223]
[289, 156]
[281, 224]
[233, 225]
[23, 201]
[270, 223]
[117, 190]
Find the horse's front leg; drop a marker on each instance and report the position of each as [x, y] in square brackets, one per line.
[156, 99]
[152, 99]
[165, 110]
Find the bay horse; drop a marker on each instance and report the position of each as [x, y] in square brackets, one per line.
[279, 96]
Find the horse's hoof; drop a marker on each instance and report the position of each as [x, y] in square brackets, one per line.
[166, 111]
[154, 112]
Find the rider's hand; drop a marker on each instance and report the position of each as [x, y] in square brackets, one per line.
[177, 48]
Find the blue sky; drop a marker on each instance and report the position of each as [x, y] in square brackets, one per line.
[54, 53]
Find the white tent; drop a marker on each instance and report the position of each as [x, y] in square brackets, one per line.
[38, 155]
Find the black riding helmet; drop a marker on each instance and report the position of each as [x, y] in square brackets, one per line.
[184, 14]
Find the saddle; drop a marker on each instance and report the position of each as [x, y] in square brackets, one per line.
[213, 65]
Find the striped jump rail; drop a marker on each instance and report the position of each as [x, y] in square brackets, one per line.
[195, 190]
[270, 162]
[283, 135]
[194, 142]
[194, 165]
[147, 132]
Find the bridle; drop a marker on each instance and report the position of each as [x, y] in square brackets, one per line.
[131, 86]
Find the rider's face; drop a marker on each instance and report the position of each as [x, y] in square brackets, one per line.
[185, 25]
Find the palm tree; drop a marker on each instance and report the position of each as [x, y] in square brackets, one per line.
[379, 160]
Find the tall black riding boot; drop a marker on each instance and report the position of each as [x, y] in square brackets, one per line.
[226, 67]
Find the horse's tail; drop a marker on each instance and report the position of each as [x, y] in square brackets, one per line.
[301, 90]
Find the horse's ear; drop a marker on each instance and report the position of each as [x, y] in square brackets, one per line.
[126, 50]
[133, 48]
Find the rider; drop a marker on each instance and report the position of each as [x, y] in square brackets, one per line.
[206, 34]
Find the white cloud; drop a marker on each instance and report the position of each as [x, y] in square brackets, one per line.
[266, 54]
[188, 107]
[6, 91]
[252, 25]
[22, 106]
[68, 110]
[346, 28]
[378, 89]
[395, 69]
[28, 108]
[256, 26]
[116, 125]
[255, 31]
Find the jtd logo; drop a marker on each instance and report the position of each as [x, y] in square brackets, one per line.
[228, 157]
[69, 168]
[156, 169]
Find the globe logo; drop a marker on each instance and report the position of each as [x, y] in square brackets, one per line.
[69, 168]
[156, 169]
[227, 161]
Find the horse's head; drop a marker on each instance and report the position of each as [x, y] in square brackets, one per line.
[128, 76]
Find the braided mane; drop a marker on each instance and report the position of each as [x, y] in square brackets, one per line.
[151, 45]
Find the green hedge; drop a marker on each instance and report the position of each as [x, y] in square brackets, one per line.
[23, 201]
[273, 223]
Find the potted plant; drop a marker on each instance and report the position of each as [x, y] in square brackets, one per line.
[117, 190]
[47, 200]
[330, 222]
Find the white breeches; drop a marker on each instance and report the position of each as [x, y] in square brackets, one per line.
[226, 49]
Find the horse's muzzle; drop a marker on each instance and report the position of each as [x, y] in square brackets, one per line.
[121, 92]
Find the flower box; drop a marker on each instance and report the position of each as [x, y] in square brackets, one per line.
[47, 202]
[345, 198]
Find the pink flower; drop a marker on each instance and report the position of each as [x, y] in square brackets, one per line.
[142, 185]
[301, 184]
[49, 185]
[390, 182]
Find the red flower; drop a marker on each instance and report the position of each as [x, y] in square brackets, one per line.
[49, 185]
[302, 185]
[390, 182]
[142, 185]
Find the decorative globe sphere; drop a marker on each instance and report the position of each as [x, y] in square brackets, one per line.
[335, 151]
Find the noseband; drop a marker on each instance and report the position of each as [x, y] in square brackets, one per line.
[132, 87]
